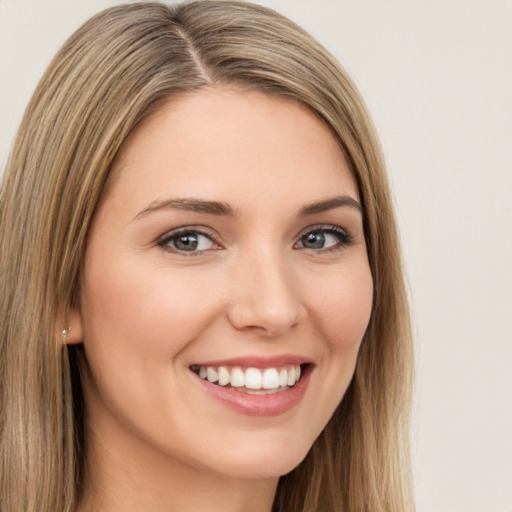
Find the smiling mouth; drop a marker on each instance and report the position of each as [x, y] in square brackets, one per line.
[253, 381]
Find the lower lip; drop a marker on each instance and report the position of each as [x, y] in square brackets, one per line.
[259, 405]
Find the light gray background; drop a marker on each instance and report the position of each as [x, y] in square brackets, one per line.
[437, 76]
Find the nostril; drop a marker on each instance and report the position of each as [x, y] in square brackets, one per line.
[270, 322]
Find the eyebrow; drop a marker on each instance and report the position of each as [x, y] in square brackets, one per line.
[224, 209]
[331, 204]
[191, 205]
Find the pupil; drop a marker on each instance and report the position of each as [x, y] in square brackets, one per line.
[187, 242]
[314, 240]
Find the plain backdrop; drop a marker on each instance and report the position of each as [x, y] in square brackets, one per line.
[437, 76]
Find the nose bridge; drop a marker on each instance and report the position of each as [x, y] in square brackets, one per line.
[265, 297]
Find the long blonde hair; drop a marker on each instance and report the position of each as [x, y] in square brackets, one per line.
[109, 76]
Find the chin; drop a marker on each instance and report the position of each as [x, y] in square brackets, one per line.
[262, 460]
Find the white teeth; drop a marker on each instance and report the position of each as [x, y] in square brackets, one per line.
[291, 376]
[270, 379]
[223, 376]
[237, 378]
[211, 374]
[252, 380]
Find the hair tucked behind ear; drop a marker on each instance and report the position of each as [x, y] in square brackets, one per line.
[109, 76]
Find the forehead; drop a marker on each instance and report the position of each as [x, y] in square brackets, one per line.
[243, 145]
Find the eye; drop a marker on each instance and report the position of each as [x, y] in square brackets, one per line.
[324, 238]
[188, 240]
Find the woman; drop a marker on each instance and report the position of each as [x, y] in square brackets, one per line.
[201, 276]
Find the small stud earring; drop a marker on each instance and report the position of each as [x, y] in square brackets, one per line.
[65, 333]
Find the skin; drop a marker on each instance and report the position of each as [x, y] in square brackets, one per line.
[156, 440]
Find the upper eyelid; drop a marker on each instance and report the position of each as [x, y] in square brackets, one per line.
[163, 239]
[320, 227]
[202, 230]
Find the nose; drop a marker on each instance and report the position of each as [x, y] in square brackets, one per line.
[264, 298]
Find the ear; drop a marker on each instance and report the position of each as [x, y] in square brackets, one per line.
[73, 328]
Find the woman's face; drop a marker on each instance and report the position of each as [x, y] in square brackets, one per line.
[228, 245]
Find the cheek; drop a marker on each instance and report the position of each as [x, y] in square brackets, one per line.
[340, 312]
[343, 308]
[133, 304]
[137, 320]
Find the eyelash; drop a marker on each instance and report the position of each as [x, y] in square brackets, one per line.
[344, 239]
[181, 232]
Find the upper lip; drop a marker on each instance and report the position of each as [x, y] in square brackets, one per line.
[257, 361]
